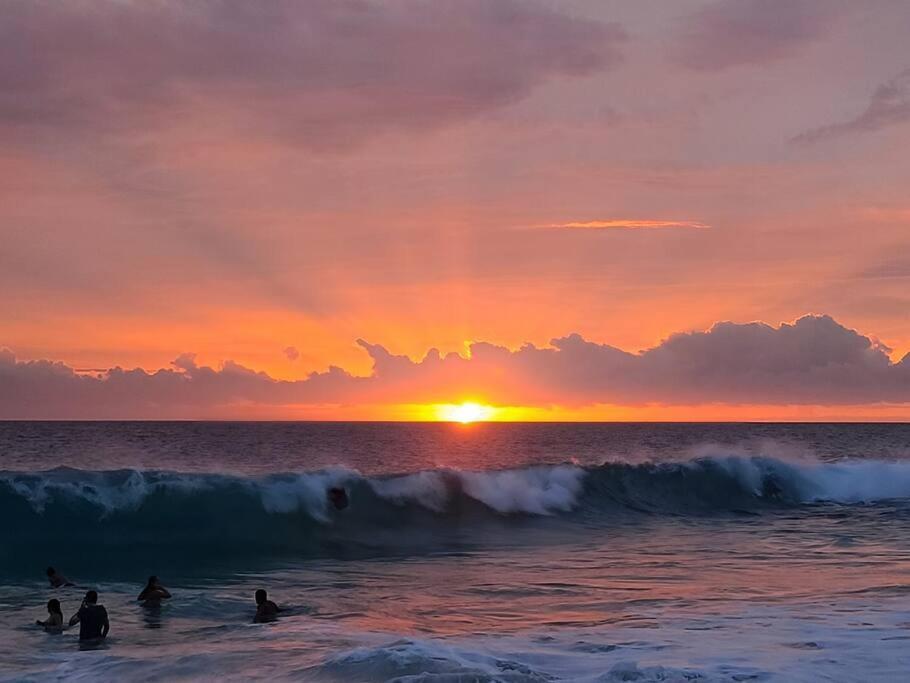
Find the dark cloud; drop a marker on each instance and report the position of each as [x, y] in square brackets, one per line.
[812, 361]
[730, 33]
[322, 72]
[292, 353]
[888, 106]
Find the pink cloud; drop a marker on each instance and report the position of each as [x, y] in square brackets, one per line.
[626, 224]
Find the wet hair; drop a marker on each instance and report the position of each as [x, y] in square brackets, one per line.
[51, 571]
[261, 596]
[91, 597]
[338, 497]
[152, 580]
[53, 607]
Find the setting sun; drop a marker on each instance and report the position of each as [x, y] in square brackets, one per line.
[465, 412]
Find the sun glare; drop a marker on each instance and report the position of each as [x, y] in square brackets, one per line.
[465, 412]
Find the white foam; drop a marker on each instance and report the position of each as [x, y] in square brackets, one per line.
[427, 488]
[857, 481]
[533, 490]
[302, 491]
[853, 481]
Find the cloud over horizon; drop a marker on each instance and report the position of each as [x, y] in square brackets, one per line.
[813, 361]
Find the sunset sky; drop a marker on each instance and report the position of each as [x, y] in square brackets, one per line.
[353, 209]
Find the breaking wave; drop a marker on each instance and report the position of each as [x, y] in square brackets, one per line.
[292, 512]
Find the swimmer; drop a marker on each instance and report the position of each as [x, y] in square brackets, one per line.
[57, 579]
[338, 497]
[266, 610]
[153, 593]
[54, 621]
[92, 619]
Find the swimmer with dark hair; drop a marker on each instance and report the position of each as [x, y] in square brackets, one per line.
[92, 619]
[266, 610]
[54, 621]
[338, 497]
[57, 580]
[153, 593]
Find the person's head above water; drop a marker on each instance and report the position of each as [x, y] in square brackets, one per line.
[153, 581]
[338, 497]
[261, 596]
[91, 597]
[51, 571]
[53, 607]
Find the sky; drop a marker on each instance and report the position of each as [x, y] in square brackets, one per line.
[354, 209]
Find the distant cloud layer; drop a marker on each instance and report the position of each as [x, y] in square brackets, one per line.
[732, 33]
[321, 72]
[888, 106]
[812, 361]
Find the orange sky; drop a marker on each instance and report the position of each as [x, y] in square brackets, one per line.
[426, 175]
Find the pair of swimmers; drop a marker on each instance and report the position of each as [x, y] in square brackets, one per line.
[91, 617]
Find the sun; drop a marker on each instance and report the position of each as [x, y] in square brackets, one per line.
[465, 412]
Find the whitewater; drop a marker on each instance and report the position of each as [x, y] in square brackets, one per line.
[479, 553]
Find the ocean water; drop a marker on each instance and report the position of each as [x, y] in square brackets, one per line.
[484, 552]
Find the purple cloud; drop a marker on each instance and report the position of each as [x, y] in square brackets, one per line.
[321, 72]
[731, 33]
[812, 361]
[888, 106]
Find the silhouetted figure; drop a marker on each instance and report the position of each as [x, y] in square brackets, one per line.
[56, 578]
[266, 610]
[54, 621]
[92, 618]
[338, 497]
[153, 593]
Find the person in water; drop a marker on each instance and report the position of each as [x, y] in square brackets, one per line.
[266, 610]
[338, 497]
[92, 619]
[54, 621]
[153, 593]
[56, 578]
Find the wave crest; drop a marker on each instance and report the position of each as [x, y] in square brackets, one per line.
[292, 511]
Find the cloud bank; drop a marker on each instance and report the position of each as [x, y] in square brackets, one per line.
[814, 361]
[321, 72]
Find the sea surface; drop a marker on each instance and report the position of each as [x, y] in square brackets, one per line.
[482, 552]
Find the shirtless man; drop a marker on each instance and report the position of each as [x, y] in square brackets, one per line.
[266, 610]
[57, 579]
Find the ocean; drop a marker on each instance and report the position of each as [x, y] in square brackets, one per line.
[479, 552]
